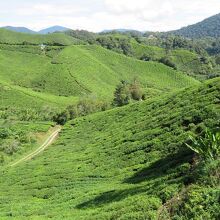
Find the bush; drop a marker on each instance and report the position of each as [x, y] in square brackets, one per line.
[136, 91]
[122, 94]
[208, 147]
[166, 61]
[62, 117]
[2, 158]
[125, 92]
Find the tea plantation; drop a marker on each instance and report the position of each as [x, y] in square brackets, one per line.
[130, 162]
[127, 163]
[15, 38]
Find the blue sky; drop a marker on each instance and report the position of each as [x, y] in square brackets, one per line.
[97, 15]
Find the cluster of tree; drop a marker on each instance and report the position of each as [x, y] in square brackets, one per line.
[127, 92]
[10, 141]
[83, 35]
[165, 60]
[84, 107]
[20, 114]
[172, 42]
[117, 44]
[214, 48]
[124, 94]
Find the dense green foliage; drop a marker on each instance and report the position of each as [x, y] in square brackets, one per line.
[207, 28]
[16, 138]
[208, 147]
[126, 92]
[177, 52]
[126, 163]
[35, 82]
[130, 162]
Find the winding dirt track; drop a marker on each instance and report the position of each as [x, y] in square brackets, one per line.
[48, 142]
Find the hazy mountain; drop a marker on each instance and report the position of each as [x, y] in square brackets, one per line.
[19, 29]
[121, 30]
[53, 29]
[209, 27]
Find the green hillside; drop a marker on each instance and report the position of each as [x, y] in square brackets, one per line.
[184, 60]
[207, 28]
[82, 70]
[99, 70]
[11, 37]
[20, 97]
[126, 163]
[182, 54]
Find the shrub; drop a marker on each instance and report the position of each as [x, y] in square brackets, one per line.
[208, 147]
[2, 159]
[166, 61]
[136, 91]
[62, 117]
[125, 92]
[122, 94]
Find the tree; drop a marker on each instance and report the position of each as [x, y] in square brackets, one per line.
[62, 117]
[2, 158]
[217, 60]
[122, 94]
[136, 91]
[166, 61]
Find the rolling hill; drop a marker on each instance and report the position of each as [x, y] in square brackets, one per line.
[49, 30]
[82, 70]
[53, 29]
[209, 27]
[19, 29]
[185, 60]
[47, 80]
[126, 163]
[121, 163]
[11, 37]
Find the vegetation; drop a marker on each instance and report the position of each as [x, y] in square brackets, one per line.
[125, 92]
[17, 138]
[207, 147]
[129, 162]
[15, 38]
[207, 28]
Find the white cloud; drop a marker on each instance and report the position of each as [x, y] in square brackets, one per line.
[50, 9]
[96, 15]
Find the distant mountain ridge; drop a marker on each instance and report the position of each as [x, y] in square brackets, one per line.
[20, 29]
[53, 29]
[44, 31]
[210, 27]
[121, 30]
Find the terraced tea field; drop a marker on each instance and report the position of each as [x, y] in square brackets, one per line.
[120, 164]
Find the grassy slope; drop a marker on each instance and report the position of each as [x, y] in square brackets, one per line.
[185, 60]
[77, 71]
[19, 97]
[11, 37]
[100, 70]
[119, 164]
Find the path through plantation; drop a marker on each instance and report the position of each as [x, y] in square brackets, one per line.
[46, 143]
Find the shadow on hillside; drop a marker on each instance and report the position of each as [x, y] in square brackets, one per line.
[161, 167]
[155, 172]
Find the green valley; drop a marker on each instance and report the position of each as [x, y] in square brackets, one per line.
[115, 125]
[121, 164]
